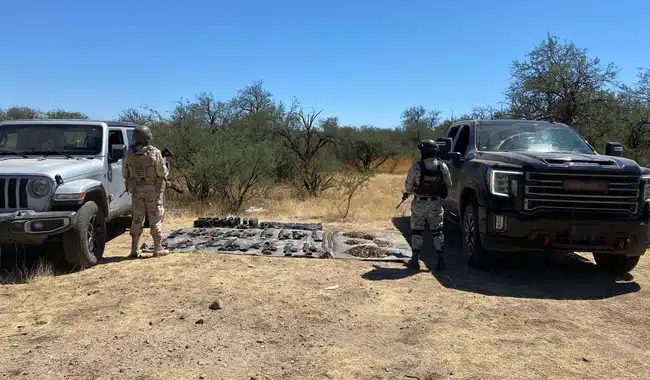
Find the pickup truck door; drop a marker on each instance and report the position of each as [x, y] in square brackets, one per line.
[116, 186]
[461, 145]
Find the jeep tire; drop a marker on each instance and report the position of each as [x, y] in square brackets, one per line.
[471, 238]
[84, 244]
[615, 264]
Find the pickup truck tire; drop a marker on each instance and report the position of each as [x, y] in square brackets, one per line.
[615, 264]
[471, 239]
[84, 244]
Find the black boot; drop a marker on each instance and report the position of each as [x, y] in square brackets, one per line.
[414, 263]
[441, 261]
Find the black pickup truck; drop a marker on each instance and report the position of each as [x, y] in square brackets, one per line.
[523, 185]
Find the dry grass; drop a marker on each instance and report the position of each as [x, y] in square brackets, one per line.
[26, 272]
[150, 318]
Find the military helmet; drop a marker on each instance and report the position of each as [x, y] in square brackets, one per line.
[142, 135]
[428, 149]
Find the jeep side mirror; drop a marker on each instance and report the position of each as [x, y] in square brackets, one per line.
[117, 152]
[613, 149]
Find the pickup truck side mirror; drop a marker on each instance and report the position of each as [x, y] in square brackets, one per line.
[117, 152]
[613, 149]
[454, 156]
[444, 143]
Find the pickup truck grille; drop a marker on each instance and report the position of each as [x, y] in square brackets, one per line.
[564, 191]
[13, 193]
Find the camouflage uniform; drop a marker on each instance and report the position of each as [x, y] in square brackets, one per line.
[145, 173]
[426, 207]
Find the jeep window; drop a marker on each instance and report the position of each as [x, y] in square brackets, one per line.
[115, 137]
[54, 139]
[129, 136]
[530, 138]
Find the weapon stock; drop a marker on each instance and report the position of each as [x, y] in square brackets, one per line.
[166, 152]
[175, 188]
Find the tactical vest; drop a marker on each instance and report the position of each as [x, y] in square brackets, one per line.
[432, 182]
[143, 167]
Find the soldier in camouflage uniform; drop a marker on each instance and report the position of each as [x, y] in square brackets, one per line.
[145, 173]
[429, 179]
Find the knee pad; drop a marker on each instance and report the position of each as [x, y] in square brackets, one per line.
[416, 241]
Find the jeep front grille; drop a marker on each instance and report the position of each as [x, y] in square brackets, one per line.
[546, 191]
[13, 193]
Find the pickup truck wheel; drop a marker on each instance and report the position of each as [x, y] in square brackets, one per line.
[616, 264]
[84, 244]
[476, 255]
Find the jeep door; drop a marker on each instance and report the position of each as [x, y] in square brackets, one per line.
[116, 186]
[460, 144]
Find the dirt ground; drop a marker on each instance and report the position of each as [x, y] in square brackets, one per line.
[530, 317]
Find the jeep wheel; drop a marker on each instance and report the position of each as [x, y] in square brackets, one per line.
[616, 264]
[476, 255]
[84, 244]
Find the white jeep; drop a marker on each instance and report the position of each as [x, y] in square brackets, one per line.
[62, 179]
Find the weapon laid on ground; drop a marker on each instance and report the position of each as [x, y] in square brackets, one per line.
[404, 197]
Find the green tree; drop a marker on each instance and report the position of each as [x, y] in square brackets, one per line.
[308, 144]
[63, 114]
[558, 81]
[20, 113]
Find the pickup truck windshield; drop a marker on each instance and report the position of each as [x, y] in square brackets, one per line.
[530, 138]
[50, 139]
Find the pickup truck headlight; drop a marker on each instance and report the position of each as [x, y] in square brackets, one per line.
[503, 183]
[646, 187]
[40, 187]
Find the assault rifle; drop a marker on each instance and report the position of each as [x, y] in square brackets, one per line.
[404, 197]
[167, 153]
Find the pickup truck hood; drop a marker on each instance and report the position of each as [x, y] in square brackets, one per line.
[575, 161]
[51, 166]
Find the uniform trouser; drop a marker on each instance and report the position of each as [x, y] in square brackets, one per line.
[426, 211]
[147, 201]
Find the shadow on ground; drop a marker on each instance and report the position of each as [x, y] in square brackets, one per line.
[21, 264]
[524, 275]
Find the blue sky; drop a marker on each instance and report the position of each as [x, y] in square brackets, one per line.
[364, 61]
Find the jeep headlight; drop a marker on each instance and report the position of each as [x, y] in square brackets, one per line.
[503, 183]
[646, 187]
[40, 187]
